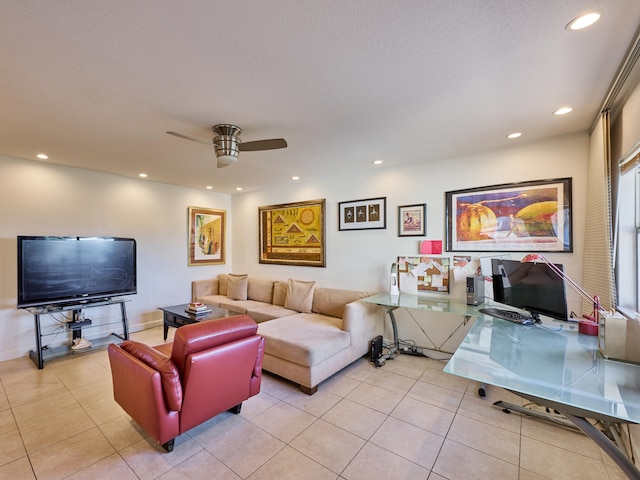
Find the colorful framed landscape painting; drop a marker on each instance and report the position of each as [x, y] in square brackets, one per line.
[533, 216]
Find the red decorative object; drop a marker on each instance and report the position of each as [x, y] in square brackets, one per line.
[431, 247]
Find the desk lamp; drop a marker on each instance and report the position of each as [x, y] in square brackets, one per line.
[590, 325]
[394, 291]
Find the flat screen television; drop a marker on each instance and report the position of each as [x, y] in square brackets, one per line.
[59, 270]
[530, 286]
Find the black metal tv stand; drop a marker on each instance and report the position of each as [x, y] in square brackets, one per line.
[44, 353]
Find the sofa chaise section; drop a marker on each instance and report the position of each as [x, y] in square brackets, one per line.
[326, 332]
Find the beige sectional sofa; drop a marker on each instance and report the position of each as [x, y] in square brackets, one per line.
[311, 332]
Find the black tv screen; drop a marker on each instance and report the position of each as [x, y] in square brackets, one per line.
[534, 287]
[54, 270]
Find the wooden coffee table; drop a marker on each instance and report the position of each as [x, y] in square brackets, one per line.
[177, 316]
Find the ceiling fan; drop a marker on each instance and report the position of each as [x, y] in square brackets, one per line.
[227, 143]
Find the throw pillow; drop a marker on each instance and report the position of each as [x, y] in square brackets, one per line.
[279, 293]
[237, 287]
[299, 296]
[171, 386]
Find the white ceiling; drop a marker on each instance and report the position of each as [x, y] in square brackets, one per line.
[96, 84]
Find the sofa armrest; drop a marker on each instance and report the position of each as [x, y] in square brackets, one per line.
[364, 321]
[203, 288]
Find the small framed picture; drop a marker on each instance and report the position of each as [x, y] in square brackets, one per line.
[367, 214]
[412, 220]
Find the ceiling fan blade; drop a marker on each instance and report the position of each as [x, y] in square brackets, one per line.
[269, 144]
[176, 134]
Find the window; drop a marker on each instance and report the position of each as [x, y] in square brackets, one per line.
[628, 240]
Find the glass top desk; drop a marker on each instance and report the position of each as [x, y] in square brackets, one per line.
[555, 366]
[425, 303]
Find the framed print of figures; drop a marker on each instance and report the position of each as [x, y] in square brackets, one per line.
[293, 233]
[531, 216]
[370, 213]
[206, 236]
[412, 220]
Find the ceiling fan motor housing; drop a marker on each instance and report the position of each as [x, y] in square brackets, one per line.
[226, 143]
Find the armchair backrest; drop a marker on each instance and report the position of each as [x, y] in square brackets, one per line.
[220, 366]
[201, 336]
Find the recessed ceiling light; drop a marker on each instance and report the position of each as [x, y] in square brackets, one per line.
[142, 175]
[209, 187]
[514, 135]
[377, 162]
[42, 156]
[584, 21]
[295, 178]
[238, 189]
[563, 111]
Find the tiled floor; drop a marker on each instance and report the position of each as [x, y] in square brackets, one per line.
[407, 419]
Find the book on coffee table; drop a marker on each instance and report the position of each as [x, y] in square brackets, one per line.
[197, 308]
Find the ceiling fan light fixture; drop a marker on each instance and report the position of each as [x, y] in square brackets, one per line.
[227, 159]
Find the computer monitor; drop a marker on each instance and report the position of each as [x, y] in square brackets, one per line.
[534, 287]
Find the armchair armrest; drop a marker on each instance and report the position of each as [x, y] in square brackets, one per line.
[137, 388]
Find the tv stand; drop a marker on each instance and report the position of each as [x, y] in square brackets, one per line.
[44, 353]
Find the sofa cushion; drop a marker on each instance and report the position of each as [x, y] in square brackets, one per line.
[237, 286]
[241, 306]
[260, 289]
[279, 292]
[171, 387]
[299, 295]
[269, 312]
[306, 339]
[212, 300]
[223, 281]
[331, 301]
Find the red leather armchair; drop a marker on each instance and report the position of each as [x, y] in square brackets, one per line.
[211, 366]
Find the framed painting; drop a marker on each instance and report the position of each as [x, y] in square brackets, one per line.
[293, 233]
[425, 273]
[531, 216]
[367, 214]
[412, 220]
[206, 236]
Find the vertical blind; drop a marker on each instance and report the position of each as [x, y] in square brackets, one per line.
[598, 277]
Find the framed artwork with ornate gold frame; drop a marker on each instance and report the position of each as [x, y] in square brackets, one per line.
[293, 233]
[206, 236]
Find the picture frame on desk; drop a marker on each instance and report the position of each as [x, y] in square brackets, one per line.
[532, 216]
[424, 274]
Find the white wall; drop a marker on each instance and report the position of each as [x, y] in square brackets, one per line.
[42, 199]
[361, 259]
